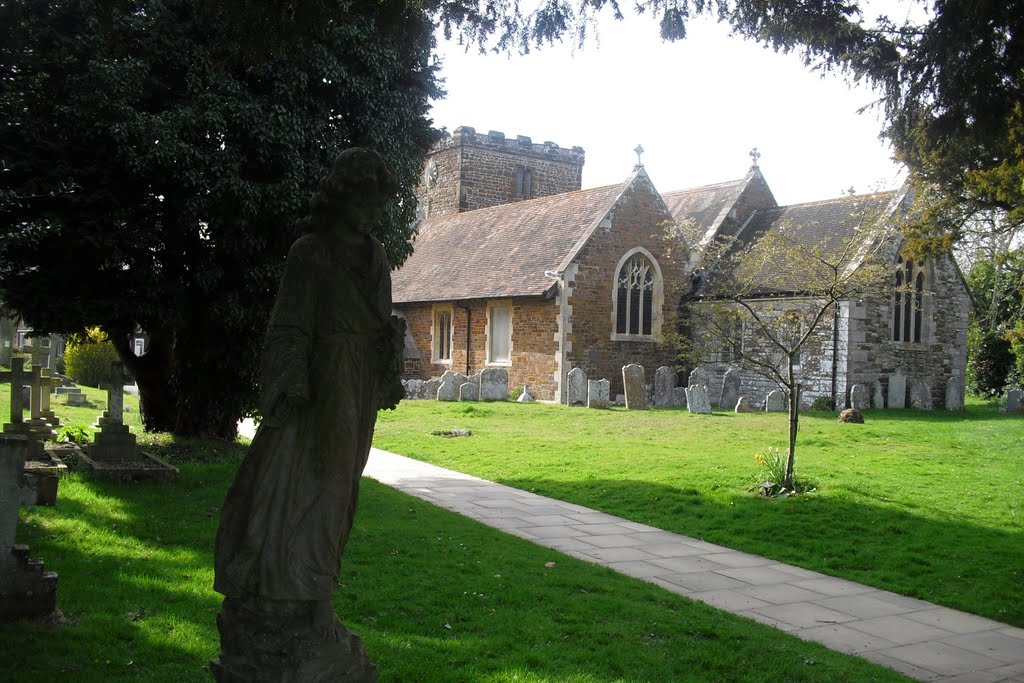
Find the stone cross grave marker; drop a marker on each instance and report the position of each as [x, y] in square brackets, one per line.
[40, 427]
[114, 441]
[18, 378]
[48, 383]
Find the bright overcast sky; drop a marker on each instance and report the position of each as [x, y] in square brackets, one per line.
[697, 106]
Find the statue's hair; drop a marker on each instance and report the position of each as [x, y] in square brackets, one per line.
[356, 172]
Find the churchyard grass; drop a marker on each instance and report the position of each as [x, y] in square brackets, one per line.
[436, 597]
[927, 504]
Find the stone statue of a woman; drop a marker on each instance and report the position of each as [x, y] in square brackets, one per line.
[331, 359]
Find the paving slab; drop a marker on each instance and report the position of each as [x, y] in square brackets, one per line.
[916, 638]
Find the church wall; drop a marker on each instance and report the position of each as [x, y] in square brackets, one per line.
[533, 348]
[639, 220]
[941, 354]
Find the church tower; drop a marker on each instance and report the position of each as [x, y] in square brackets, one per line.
[468, 170]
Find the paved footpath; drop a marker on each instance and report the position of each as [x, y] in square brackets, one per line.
[917, 638]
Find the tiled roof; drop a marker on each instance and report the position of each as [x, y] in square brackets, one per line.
[501, 251]
[703, 204]
[825, 227]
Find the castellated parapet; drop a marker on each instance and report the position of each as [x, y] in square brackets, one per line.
[468, 170]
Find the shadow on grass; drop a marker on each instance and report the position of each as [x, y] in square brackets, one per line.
[976, 569]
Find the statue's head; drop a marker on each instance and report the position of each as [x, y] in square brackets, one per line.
[360, 183]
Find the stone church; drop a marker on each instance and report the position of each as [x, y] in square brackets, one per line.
[516, 266]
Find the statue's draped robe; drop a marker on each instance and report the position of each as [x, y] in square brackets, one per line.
[288, 514]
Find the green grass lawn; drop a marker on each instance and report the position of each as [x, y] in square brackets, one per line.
[927, 504]
[436, 597]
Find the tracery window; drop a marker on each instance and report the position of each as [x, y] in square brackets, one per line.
[908, 301]
[634, 295]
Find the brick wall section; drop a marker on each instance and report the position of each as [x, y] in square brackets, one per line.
[534, 349]
[638, 220]
[471, 170]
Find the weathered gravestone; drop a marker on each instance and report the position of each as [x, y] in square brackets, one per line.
[430, 388]
[494, 384]
[1013, 404]
[576, 387]
[699, 377]
[414, 389]
[447, 391]
[525, 397]
[664, 382]
[679, 396]
[636, 389]
[114, 453]
[25, 589]
[697, 400]
[897, 398]
[470, 391]
[598, 393]
[776, 402]
[730, 388]
[879, 397]
[921, 396]
[954, 393]
[860, 399]
[743, 405]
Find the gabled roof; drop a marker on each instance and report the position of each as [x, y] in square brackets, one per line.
[500, 251]
[841, 229]
[704, 204]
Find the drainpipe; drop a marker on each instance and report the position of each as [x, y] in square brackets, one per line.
[469, 321]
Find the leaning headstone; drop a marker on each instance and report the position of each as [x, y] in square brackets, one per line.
[697, 400]
[525, 397]
[25, 589]
[494, 384]
[730, 387]
[879, 398]
[598, 391]
[448, 391]
[1013, 404]
[470, 391]
[897, 391]
[664, 382]
[921, 396]
[699, 377]
[954, 394]
[743, 405]
[776, 402]
[576, 381]
[860, 399]
[636, 390]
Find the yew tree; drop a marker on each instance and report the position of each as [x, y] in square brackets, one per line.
[152, 165]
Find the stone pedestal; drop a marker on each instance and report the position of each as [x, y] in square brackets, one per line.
[284, 646]
[113, 442]
[26, 590]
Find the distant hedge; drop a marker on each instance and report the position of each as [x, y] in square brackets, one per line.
[87, 357]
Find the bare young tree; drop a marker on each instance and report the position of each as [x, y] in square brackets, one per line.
[769, 301]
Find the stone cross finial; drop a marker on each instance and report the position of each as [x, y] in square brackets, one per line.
[754, 156]
[18, 378]
[639, 149]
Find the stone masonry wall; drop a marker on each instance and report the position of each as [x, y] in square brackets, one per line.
[941, 354]
[639, 220]
[471, 170]
[533, 351]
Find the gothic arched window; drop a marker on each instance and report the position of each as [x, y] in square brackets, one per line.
[637, 297]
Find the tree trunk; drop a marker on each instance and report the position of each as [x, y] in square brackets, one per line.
[794, 420]
[158, 401]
